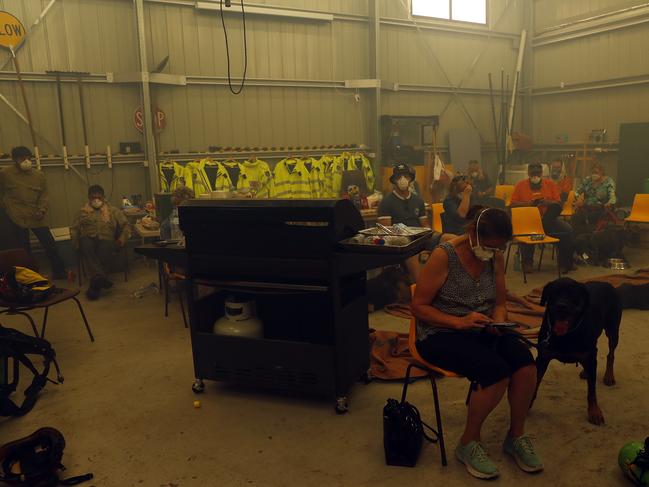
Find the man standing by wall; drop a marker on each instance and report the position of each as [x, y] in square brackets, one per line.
[24, 197]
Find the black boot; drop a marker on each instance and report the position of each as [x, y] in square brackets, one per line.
[94, 290]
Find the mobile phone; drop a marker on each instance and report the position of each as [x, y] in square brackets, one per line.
[538, 236]
[506, 324]
[164, 243]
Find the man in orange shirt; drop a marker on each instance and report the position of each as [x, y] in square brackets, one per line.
[559, 176]
[544, 194]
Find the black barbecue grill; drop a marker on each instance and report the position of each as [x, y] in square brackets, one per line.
[310, 293]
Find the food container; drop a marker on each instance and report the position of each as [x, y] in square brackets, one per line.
[617, 264]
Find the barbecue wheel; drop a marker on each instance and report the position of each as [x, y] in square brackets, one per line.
[198, 387]
[342, 406]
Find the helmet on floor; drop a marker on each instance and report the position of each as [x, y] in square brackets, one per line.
[634, 462]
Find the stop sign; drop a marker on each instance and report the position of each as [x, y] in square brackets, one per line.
[159, 119]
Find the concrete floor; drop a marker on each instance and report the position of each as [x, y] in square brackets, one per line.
[126, 410]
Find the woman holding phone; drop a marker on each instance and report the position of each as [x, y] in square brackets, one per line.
[460, 292]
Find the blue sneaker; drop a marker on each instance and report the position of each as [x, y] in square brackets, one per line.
[476, 460]
[522, 449]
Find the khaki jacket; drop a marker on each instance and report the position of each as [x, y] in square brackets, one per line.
[23, 194]
[107, 223]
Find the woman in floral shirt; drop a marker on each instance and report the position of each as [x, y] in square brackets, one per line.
[594, 194]
[597, 189]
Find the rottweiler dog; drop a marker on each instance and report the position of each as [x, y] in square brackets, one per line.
[575, 316]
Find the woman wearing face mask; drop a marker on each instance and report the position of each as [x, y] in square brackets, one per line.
[459, 293]
[483, 188]
[594, 195]
[457, 205]
[597, 189]
[98, 232]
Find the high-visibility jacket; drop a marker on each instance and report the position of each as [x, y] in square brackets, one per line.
[344, 162]
[325, 162]
[291, 179]
[364, 164]
[172, 175]
[256, 177]
[195, 178]
[209, 170]
[316, 177]
[228, 176]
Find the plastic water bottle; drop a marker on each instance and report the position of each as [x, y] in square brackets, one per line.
[174, 221]
[146, 290]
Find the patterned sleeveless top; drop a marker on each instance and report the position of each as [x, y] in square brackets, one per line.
[462, 294]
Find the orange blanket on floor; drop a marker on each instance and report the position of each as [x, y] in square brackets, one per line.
[389, 355]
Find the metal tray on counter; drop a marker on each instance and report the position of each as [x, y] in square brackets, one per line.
[417, 243]
[416, 232]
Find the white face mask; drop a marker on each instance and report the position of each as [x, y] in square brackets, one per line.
[535, 179]
[475, 174]
[97, 203]
[596, 177]
[26, 165]
[479, 251]
[403, 183]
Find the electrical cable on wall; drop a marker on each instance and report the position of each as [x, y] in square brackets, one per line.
[227, 47]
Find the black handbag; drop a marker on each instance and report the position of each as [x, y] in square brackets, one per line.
[403, 433]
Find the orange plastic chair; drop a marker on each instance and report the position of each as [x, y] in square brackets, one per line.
[438, 209]
[639, 210]
[526, 221]
[432, 371]
[569, 206]
[504, 192]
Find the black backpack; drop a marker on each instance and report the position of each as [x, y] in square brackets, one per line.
[34, 461]
[15, 348]
[403, 432]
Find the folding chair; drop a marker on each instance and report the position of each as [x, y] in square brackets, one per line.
[438, 209]
[432, 371]
[504, 192]
[526, 221]
[19, 257]
[639, 210]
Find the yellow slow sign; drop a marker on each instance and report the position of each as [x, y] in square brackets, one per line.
[12, 31]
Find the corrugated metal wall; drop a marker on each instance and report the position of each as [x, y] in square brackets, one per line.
[606, 58]
[205, 114]
[550, 13]
[96, 36]
[296, 69]
[443, 56]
